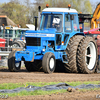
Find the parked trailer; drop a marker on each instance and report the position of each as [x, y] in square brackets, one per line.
[58, 40]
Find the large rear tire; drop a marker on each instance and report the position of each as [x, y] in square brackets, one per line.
[16, 45]
[87, 56]
[33, 66]
[71, 52]
[49, 63]
[23, 44]
[13, 65]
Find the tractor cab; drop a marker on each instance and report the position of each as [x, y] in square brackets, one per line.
[57, 26]
[64, 23]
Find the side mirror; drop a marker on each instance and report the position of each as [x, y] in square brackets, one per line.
[72, 17]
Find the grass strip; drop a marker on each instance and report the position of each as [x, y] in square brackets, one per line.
[41, 92]
[36, 92]
[40, 84]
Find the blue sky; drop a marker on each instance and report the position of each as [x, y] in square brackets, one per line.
[2, 1]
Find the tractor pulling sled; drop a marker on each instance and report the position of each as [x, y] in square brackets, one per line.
[58, 39]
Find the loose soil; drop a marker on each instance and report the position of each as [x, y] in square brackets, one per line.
[89, 95]
[24, 76]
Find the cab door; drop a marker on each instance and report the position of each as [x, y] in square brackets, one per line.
[67, 30]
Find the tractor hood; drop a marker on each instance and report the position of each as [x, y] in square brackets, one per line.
[37, 40]
[41, 33]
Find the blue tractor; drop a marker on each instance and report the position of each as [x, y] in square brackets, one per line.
[58, 39]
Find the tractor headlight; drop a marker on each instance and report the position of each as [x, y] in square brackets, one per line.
[43, 49]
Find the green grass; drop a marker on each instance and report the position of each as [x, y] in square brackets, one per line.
[40, 84]
[92, 89]
[36, 92]
[16, 85]
[85, 82]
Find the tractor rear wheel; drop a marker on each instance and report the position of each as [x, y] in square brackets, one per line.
[23, 44]
[16, 45]
[87, 56]
[49, 63]
[13, 65]
[71, 52]
[33, 66]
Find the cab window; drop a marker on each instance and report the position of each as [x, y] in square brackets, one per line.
[67, 23]
[52, 21]
[75, 23]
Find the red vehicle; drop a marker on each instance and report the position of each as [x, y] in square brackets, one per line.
[93, 31]
[2, 42]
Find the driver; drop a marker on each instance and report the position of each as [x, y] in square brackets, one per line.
[54, 25]
[56, 22]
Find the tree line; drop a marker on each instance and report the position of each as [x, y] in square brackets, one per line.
[23, 12]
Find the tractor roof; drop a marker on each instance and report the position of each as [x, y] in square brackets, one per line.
[60, 10]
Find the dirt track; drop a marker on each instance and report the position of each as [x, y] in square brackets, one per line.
[88, 95]
[24, 76]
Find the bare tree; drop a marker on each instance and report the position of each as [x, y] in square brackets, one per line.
[15, 1]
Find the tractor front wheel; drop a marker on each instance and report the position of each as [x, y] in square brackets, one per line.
[49, 63]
